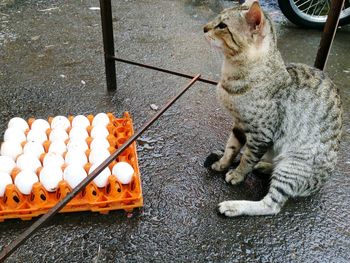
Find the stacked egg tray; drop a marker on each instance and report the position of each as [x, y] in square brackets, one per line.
[113, 194]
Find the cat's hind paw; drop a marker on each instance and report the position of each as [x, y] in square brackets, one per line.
[229, 208]
[213, 158]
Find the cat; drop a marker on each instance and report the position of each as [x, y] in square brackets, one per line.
[292, 113]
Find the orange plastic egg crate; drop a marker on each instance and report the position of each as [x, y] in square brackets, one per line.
[114, 196]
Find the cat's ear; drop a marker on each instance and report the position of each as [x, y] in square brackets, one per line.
[255, 16]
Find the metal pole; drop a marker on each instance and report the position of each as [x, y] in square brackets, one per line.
[328, 35]
[8, 250]
[164, 70]
[108, 43]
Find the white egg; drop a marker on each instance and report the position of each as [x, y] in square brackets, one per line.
[80, 121]
[18, 123]
[77, 144]
[60, 122]
[58, 147]
[13, 134]
[33, 148]
[11, 149]
[28, 162]
[5, 179]
[36, 136]
[6, 164]
[99, 143]
[98, 155]
[100, 119]
[76, 157]
[78, 133]
[74, 174]
[50, 176]
[123, 171]
[99, 132]
[53, 159]
[25, 180]
[40, 125]
[102, 179]
[58, 135]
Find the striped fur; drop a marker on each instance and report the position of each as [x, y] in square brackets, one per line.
[293, 112]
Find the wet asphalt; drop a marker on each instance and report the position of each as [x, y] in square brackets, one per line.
[51, 63]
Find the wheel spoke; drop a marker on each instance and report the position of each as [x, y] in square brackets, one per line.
[308, 8]
[303, 3]
[313, 10]
[324, 4]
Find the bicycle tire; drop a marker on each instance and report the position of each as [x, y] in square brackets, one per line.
[287, 9]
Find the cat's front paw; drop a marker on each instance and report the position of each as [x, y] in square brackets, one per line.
[234, 177]
[218, 167]
[213, 158]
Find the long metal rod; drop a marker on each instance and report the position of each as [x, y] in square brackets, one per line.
[108, 43]
[328, 35]
[8, 250]
[164, 70]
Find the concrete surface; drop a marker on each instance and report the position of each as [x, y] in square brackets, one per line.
[44, 56]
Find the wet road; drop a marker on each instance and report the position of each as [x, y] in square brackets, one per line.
[47, 48]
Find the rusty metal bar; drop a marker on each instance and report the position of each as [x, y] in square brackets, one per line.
[164, 70]
[108, 44]
[328, 35]
[8, 250]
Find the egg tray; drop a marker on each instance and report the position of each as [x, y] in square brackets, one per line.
[115, 196]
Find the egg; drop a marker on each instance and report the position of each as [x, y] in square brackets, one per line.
[76, 157]
[100, 119]
[80, 121]
[33, 148]
[28, 162]
[18, 123]
[78, 133]
[123, 171]
[13, 134]
[74, 174]
[102, 179]
[99, 132]
[58, 147]
[98, 155]
[5, 179]
[40, 125]
[60, 122]
[50, 176]
[77, 144]
[58, 135]
[36, 136]
[53, 159]
[25, 180]
[11, 149]
[6, 164]
[99, 143]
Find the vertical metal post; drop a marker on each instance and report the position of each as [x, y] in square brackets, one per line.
[108, 44]
[328, 35]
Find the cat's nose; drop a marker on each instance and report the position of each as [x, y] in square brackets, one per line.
[205, 29]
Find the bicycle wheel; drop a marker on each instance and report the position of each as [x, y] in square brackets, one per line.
[311, 13]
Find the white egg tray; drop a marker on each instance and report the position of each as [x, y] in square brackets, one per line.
[41, 161]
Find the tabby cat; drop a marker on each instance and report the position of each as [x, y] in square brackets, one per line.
[291, 113]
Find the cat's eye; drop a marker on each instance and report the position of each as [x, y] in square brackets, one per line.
[221, 25]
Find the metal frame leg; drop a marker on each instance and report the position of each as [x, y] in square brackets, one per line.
[108, 44]
[328, 35]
